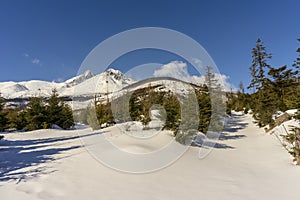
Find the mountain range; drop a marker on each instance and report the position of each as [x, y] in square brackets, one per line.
[107, 81]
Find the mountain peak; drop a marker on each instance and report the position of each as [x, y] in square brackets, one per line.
[116, 74]
[111, 79]
[88, 73]
[80, 78]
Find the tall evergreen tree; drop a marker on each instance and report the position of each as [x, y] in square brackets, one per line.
[297, 91]
[205, 109]
[36, 115]
[259, 63]
[54, 108]
[16, 119]
[3, 118]
[297, 61]
[58, 112]
[261, 84]
[282, 79]
[91, 117]
[173, 112]
[217, 99]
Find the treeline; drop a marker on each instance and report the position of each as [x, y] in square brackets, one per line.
[39, 113]
[273, 88]
[201, 110]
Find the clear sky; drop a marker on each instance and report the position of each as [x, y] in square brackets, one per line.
[48, 40]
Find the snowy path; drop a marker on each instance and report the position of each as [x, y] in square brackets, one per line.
[246, 164]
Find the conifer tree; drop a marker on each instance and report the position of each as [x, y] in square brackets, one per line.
[3, 118]
[91, 117]
[104, 114]
[297, 61]
[263, 105]
[282, 79]
[120, 108]
[204, 109]
[218, 105]
[36, 115]
[58, 112]
[173, 112]
[54, 108]
[259, 63]
[296, 65]
[16, 119]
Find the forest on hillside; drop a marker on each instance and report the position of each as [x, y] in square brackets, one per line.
[272, 89]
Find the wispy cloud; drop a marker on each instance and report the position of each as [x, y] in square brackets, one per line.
[26, 55]
[33, 60]
[36, 61]
[197, 62]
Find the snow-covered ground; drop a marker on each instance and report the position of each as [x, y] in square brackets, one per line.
[246, 163]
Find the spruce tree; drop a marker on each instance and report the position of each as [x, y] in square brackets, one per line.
[3, 118]
[173, 112]
[205, 110]
[218, 105]
[36, 115]
[59, 113]
[297, 61]
[263, 103]
[104, 113]
[91, 117]
[16, 119]
[296, 95]
[66, 117]
[259, 63]
[282, 79]
[54, 108]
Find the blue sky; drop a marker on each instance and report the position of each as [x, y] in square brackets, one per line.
[48, 40]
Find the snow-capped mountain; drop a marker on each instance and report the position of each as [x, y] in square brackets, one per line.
[82, 88]
[83, 84]
[79, 79]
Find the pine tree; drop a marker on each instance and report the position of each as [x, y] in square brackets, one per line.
[296, 95]
[218, 105]
[282, 81]
[36, 115]
[120, 108]
[173, 112]
[104, 114]
[189, 112]
[210, 79]
[91, 117]
[263, 101]
[66, 117]
[259, 63]
[3, 118]
[205, 109]
[58, 112]
[293, 137]
[16, 119]
[54, 108]
[297, 61]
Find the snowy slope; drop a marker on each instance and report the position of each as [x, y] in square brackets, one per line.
[79, 85]
[51, 164]
[108, 81]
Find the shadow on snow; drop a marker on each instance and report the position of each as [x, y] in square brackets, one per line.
[23, 159]
[233, 125]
